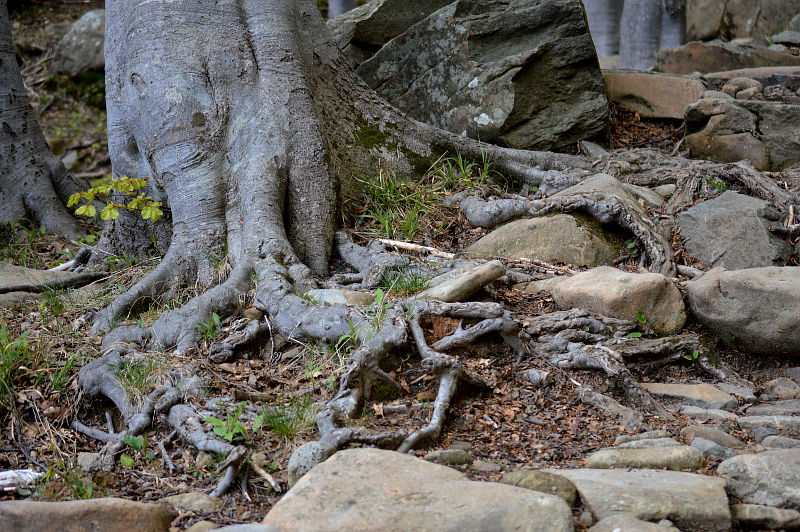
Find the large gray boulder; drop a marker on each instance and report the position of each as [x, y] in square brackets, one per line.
[109, 515]
[519, 73]
[716, 56]
[81, 49]
[620, 294]
[728, 130]
[756, 309]
[371, 489]
[732, 232]
[770, 478]
[363, 30]
[692, 502]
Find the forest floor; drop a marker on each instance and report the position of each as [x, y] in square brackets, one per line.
[513, 426]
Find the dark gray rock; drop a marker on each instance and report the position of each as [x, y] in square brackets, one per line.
[692, 502]
[81, 49]
[305, 457]
[782, 388]
[732, 232]
[761, 132]
[775, 422]
[712, 449]
[787, 37]
[770, 478]
[755, 309]
[761, 432]
[539, 86]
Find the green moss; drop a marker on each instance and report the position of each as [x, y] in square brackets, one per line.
[368, 137]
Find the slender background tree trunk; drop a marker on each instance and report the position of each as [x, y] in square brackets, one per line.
[33, 181]
[337, 7]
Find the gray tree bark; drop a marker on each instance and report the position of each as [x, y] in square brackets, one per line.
[337, 7]
[248, 123]
[33, 181]
[646, 26]
[603, 17]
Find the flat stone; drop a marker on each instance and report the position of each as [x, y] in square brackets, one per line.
[107, 514]
[649, 435]
[563, 238]
[653, 442]
[459, 287]
[770, 478]
[203, 526]
[712, 448]
[787, 407]
[713, 434]
[732, 232]
[482, 466]
[545, 482]
[757, 517]
[673, 458]
[194, 501]
[780, 442]
[757, 72]
[793, 373]
[665, 191]
[702, 395]
[718, 55]
[775, 422]
[787, 37]
[450, 457]
[756, 309]
[693, 502]
[539, 377]
[761, 432]
[652, 94]
[706, 414]
[745, 394]
[782, 388]
[620, 294]
[628, 523]
[372, 489]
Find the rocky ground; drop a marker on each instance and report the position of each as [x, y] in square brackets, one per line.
[678, 428]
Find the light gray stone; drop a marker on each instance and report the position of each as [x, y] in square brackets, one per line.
[539, 377]
[332, 296]
[564, 238]
[703, 395]
[450, 457]
[305, 457]
[653, 442]
[706, 414]
[649, 435]
[673, 458]
[780, 442]
[545, 482]
[775, 422]
[628, 523]
[712, 448]
[793, 373]
[194, 501]
[620, 294]
[757, 517]
[107, 514]
[732, 232]
[81, 49]
[665, 191]
[787, 37]
[692, 502]
[713, 434]
[770, 478]
[755, 309]
[468, 281]
[761, 432]
[746, 394]
[782, 388]
[371, 489]
[449, 70]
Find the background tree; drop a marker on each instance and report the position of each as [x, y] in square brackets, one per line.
[33, 181]
[337, 7]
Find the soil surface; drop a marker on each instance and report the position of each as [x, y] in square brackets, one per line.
[512, 426]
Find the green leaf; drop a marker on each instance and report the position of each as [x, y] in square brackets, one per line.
[634, 335]
[73, 199]
[134, 442]
[86, 210]
[126, 460]
[109, 212]
[214, 421]
[640, 317]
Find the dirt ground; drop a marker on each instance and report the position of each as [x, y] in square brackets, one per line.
[513, 426]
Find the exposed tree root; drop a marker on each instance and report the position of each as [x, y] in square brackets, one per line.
[607, 209]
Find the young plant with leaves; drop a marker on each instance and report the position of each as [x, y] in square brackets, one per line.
[121, 187]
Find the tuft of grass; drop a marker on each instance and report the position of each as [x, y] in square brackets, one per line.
[20, 243]
[403, 281]
[14, 356]
[287, 420]
[138, 377]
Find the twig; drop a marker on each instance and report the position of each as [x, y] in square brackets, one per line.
[225, 484]
[110, 423]
[92, 433]
[166, 458]
[267, 477]
[416, 247]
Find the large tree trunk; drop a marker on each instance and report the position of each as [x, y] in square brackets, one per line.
[33, 181]
[248, 121]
